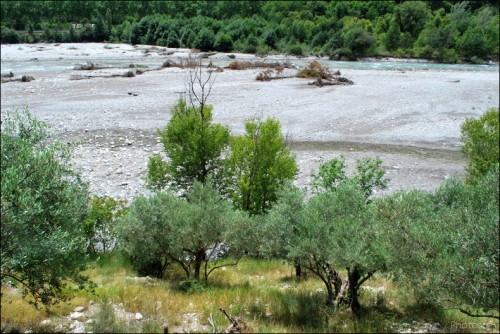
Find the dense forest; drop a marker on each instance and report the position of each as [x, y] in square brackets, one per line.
[445, 31]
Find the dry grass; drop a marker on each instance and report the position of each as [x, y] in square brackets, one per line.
[315, 70]
[265, 293]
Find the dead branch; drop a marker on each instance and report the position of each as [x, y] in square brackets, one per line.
[331, 82]
[199, 87]
[238, 324]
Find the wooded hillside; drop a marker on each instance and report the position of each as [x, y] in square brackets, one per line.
[445, 31]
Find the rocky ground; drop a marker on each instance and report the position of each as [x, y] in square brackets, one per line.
[409, 118]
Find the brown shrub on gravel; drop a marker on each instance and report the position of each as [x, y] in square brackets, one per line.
[87, 67]
[243, 65]
[315, 70]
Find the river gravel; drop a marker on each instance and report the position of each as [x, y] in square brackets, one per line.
[410, 117]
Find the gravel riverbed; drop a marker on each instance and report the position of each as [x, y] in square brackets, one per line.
[410, 118]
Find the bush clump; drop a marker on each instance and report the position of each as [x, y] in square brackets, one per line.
[315, 70]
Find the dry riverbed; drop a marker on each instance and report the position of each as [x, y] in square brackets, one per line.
[409, 118]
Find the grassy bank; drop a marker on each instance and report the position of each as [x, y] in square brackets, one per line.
[264, 293]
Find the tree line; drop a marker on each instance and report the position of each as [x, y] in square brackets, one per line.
[445, 31]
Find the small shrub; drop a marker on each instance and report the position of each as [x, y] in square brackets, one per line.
[105, 320]
[9, 36]
[296, 50]
[264, 76]
[27, 78]
[99, 225]
[129, 74]
[343, 54]
[191, 286]
[87, 67]
[315, 70]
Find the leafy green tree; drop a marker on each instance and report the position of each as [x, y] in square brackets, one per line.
[338, 231]
[261, 163]
[205, 39]
[445, 245]
[279, 228]
[358, 40]
[460, 16]
[193, 145]
[192, 232]
[223, 42]
[481, 143]
[269, 37]
[412, 16]
[473, 44]
[392, 36]
[469, 269]
[43, 204]
[251, 44]
[188, 38]
[369, 176]
[173, 40]
[9, 36]
[100, 223]
[146, 233]
[86, 34]
[101, 32]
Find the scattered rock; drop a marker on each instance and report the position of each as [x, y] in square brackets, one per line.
[77, 327]
[380, 289]
[45, 322]
[138, 317]
[27, 78]
[76, 315]
[79, 309]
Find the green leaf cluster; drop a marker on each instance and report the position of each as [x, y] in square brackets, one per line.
[43, 205]
[194, 146]
[481, 141]
[100, 222]
[261, 163]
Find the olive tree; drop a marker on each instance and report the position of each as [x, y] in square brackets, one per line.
[337, 231]
[445, 245]
[280, 225]
[196, 232]
[43, 205]
[260, 163]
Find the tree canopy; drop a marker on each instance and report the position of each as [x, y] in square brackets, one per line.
[446, 31]
[44, 204]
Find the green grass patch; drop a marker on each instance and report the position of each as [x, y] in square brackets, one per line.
[264, 292]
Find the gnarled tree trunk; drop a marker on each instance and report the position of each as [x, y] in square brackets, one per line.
[198, 260]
